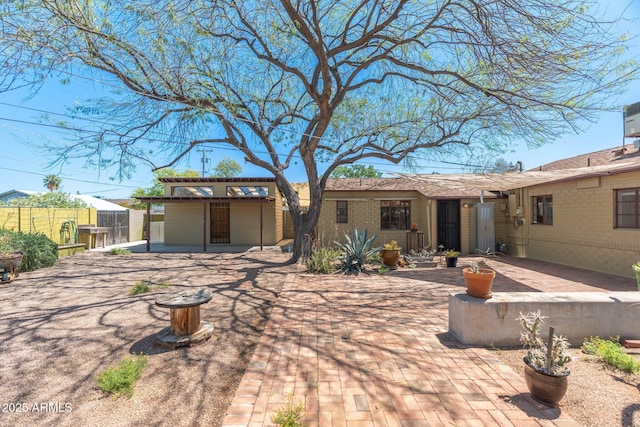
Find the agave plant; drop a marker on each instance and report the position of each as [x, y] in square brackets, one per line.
[357, 249]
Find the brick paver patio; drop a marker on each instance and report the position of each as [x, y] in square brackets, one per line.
[373, 350]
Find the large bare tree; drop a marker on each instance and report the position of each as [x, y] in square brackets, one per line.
[316, 82]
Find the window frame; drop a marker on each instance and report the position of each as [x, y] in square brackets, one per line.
[404, 205]
[636, 204]
[192, 191]
[546, 217]
[342, 212]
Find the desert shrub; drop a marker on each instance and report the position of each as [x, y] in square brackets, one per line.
[119, 251]
[289, 415]
[39, 251]
[358, 249]
[322, 260]
[142, 286]
[611, 353]
[119, 381]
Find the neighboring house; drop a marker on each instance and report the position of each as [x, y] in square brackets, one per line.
[14, 194]
[583, 211]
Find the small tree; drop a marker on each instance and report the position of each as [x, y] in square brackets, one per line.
[48, 200]
[356, 171]
[227, 167]
[157, 188]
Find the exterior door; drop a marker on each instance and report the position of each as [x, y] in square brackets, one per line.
[485, 226]
[220, 225]
[449, 224]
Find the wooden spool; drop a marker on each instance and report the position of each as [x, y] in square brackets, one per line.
[184, 313]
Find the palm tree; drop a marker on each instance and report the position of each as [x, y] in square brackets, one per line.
[52, 182]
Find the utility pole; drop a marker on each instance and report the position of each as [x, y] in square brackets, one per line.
[205, 160]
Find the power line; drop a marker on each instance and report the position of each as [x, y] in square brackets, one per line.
[215, 111]
[205, 159]
[69, 179]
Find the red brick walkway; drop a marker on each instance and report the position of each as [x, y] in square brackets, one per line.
[373, 350]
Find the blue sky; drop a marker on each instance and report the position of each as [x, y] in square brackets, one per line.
[24, 163]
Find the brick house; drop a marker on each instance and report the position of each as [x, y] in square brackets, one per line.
[583, 211]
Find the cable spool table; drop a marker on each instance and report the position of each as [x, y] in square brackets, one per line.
[186, 327]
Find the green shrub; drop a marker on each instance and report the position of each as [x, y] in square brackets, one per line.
[39, 251]
[289, 415]
[612, 353]
[119, 381]
[322, 260]
[358, 249]
[143, 286]
[119, 251]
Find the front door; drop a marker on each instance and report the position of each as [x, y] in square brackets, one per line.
[449, 224]
[220, 226]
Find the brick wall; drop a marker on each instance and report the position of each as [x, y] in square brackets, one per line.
[583, 232]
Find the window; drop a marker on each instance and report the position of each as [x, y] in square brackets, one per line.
[247, 191]
[542, 210]
[628, 208]
[395, 214]
[342, 211]
[193, 191]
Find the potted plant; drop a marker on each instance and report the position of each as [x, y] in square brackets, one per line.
[452, 257]
[545, 372]
[478, 280]
[10, 265]
[636, 268]
[390, 254]
[414, 227]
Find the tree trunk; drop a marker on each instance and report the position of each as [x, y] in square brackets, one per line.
[304, 225]
[304, 222]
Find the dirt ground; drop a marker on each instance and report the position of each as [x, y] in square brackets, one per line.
[597, 395]
[62, 326]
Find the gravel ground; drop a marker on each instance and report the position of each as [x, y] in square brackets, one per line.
[63, 325]
[597, 395]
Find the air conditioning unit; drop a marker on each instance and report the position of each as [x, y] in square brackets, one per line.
[631, 116]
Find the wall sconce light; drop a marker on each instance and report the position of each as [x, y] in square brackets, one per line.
[465, 205]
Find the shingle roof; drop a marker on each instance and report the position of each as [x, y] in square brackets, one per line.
[603, 157]
[472, 185]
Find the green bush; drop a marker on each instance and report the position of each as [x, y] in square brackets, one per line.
[119, 381]
[612, 353]
[39, 251]
[142, 286]
[322, 260]
[119, 251]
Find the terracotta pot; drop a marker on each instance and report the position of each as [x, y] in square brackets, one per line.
[452, 262]
[479, 284]
[10, 264]
[547, 389]
[390, 257]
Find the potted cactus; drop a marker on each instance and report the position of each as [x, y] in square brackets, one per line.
[478, 280]
[545, 371]
[390, 254]
[636, 268]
